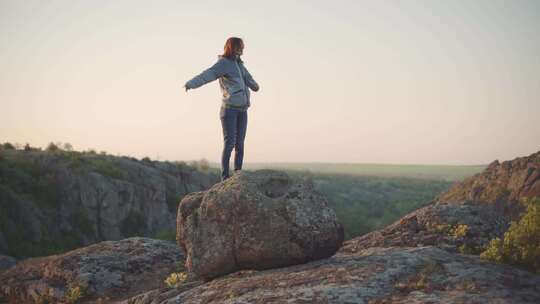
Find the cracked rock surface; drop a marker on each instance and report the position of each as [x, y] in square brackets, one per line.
[372, 276]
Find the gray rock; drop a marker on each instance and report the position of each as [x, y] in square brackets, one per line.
[376, 275]
[256, 220]
[110, 270]
[483, 205]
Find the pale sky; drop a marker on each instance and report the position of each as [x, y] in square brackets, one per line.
[409, 82]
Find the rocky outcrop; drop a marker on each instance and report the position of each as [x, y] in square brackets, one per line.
[500, 183]
[108, 270]
[467, 216]
[463, 228]
[405, 275]
[256, 220]
[65, 200]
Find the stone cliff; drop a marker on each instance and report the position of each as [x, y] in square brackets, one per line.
[53, 202]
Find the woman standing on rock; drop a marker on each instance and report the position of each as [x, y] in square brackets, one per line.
[234, 81]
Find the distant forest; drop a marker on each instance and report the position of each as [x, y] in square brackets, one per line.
[367, 203]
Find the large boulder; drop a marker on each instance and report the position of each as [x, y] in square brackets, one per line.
[256, 220]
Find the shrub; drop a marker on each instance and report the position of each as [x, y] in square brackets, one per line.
[107, 168]
[439, 228]
[182, 165]
[28, 177]
[459, 230]
[8, 146]
[52, 147]
[68, 147]
[520, 245]
[75, 159]
[173, 200]
[201, 165]
[471, 248]
[176, 278]
[134, 224]
[80, 219]
[456, 231]
[75, 293]
[166, 235]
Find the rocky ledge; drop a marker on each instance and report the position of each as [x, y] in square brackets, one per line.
[109, 270]
[376, 275]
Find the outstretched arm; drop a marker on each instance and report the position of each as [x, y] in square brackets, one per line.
[251, 83]
[208, 75]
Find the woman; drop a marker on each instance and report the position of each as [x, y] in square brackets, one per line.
[235, 82]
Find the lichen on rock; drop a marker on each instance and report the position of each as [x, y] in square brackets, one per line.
[256, 220]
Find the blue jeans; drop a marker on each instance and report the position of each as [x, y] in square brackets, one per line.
[234, 123]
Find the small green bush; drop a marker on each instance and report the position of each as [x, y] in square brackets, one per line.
[520, 245]
[470, 248]
[166, 235]
[201, 165]
[68, 147]
[8, 146]
[439, 228]
[76, 293]
[75, 159]
[173, 200]
[52, 147]
[175, 279]
[182, 165]
[27, 177]
[80, 219]
[459, 231]
[107, 168]
[134, 224]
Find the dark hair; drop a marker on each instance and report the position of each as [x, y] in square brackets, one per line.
[230, 45]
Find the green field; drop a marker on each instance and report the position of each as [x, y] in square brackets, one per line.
[437, 172]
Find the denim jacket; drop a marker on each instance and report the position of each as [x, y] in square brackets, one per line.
[234, 81]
